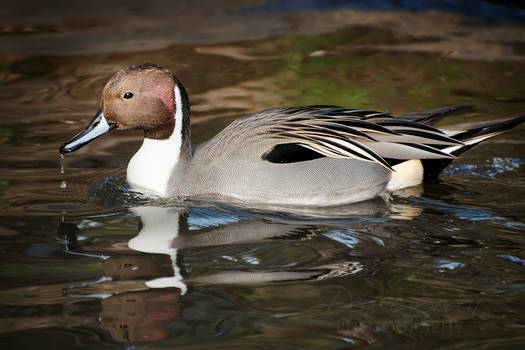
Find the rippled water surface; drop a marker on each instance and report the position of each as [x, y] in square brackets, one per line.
[85, 263]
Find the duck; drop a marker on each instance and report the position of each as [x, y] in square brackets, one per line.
[320, 155]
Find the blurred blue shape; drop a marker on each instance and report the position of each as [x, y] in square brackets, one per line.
[493, 11]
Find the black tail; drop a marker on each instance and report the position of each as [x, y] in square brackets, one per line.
[470, 138]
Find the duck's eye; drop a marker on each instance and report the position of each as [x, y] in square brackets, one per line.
[128, 95]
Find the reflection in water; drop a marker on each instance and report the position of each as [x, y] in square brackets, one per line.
[140, 317]
[335, 263]
[165, 230]
[139, 293]
[160, 226]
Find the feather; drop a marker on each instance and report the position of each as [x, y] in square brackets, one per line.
[433, 116]
[366, 135]
[406, 151]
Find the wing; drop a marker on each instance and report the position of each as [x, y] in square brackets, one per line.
[338, 132]
[296, 134]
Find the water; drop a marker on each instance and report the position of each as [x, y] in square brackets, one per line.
[86, 263]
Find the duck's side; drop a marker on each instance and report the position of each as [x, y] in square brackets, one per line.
[319, 182]
[251, 161]
[234, 165]
[243, 170]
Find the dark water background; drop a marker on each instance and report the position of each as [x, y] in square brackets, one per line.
[439, 266]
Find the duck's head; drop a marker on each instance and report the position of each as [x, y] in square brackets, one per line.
[144, 96]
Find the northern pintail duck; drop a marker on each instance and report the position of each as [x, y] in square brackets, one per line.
[312, 156]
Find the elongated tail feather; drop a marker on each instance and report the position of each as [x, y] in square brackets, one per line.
[469, 138]
[433, 116]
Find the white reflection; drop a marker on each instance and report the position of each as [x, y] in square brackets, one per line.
[160, 226]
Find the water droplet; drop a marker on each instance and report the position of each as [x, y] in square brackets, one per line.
[63, 183]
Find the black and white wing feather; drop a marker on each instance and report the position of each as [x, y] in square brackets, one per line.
[372, 136]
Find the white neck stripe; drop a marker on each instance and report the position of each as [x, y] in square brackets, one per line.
[178, 112]
[151, 167]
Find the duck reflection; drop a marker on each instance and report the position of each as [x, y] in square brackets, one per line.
[159, 227]
[178, 249]
[140, 293]
[144, 281]
[140, 316]
[164, 230]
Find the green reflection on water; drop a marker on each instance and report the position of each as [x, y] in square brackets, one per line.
[328, 69]
[4, 185]
[50, 272]
[5, 135]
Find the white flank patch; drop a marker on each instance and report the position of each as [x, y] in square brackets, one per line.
[149, 170]
[407, 174]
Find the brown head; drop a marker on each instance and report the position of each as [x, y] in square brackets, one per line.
[137, 97]
[141, 97]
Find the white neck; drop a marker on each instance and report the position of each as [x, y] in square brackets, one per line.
[149, 170]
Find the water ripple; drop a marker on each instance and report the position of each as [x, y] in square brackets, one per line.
[461, 211]
[489, 169]
[512, 258]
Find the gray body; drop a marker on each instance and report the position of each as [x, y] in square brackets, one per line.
[231, 166]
